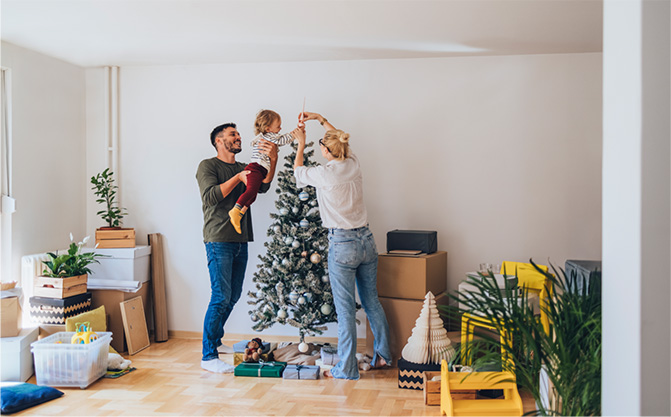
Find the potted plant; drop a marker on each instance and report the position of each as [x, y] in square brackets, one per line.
[112, 235]
[567, 354]
[66, 274]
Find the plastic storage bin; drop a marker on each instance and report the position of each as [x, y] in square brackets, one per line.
[61, 364]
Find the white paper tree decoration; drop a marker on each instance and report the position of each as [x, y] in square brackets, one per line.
[429, 342]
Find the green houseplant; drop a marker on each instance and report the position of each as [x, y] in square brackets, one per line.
[569, 353]
[105, 190]
[66, 274]
[111, 236]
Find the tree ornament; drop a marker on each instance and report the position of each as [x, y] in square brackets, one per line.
[304, 223]
[296, 244]
[326, 309]
[303, 347]
[325, 278]
[313, 203]
[275, 263]
[282, 314]
[294, 210]
[276, 228]
[301, 300]
[315, 258]
[285, 262]
[288, 240]
[304, 254]
[259, 294]
[293, 296]
[308, 297]
[303, 196]
[284, 211]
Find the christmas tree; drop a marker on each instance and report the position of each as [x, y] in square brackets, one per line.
[292, 282]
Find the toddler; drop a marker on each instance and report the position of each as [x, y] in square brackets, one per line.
[267, 126]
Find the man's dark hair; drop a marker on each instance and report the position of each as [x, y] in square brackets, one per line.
[219, 129]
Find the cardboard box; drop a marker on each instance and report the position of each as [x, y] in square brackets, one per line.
[401, 316]
[49, 329]
[45, 310]
[111, 300]
[17, 361]
[123, 264]
[9, 313]
[411, 277]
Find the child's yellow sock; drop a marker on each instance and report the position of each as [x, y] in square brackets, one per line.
[235, 214]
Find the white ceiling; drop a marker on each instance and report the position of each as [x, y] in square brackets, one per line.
[155, 32]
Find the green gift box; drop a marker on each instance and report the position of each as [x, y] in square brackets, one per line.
[260, 369]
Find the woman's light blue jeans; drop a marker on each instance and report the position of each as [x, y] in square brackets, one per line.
[226, 262]
[353, 260]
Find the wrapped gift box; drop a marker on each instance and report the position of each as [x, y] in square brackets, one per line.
[266, 348]
[329, 356]
[411, 375]
[237, 358]
[322, 365]
[45, 310]
[301, 372]
[261, 369]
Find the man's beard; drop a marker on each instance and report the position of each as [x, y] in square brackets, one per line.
[231, 149]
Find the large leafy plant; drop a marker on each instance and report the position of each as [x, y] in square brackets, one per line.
[105, 190]
[72, 263]
[569, 352]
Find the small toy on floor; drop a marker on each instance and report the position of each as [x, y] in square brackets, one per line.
[116, 361]
[253, 350]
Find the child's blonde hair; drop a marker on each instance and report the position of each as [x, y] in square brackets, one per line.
[263, 121]
[336, 142]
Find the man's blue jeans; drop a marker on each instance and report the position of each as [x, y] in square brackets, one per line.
[227, 263]
[353, 260]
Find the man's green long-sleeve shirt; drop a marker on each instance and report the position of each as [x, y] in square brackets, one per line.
[217, 227]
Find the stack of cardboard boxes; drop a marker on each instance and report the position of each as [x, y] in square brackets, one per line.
[402, 284]
[16, 362]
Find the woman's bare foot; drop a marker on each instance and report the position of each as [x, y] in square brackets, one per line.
[327, 374]
[381, 363]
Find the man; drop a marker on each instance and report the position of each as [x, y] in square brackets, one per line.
[221, 181]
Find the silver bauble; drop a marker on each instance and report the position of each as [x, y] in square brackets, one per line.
[295, 244]
[326, 309]
[284, 211]
[293, 296]
[288, 240]
[303, 347]
[285, 262]
[276, 229]
[304, 223]
[313, 203]
[282, 314]
[301, 300]
[303, 196]
[325, 278]
[275, 263]
[294, 210]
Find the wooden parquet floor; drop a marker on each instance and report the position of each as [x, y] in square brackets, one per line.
[169, 381]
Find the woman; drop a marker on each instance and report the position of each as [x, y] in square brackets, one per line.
[352, 258]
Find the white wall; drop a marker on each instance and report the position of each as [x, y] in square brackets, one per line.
[49, 155]
[636, 207]
[500, 155]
